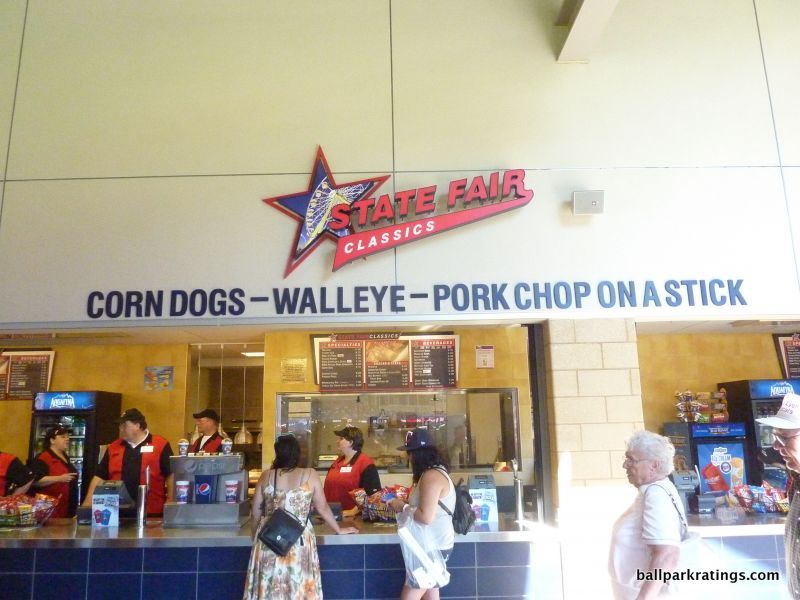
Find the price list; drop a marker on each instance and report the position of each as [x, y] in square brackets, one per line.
[341, 366]
[792, 351]
[27, 375]
[434, 363]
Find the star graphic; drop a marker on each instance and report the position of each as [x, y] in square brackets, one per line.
[313, 207]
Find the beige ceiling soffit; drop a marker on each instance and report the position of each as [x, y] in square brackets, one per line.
[586, 20]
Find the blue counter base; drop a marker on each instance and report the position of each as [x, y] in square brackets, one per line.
[478, 570]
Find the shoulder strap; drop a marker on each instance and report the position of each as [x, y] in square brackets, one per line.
[455, 487]
[682, 519]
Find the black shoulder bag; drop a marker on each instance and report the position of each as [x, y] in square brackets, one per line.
[282, 529]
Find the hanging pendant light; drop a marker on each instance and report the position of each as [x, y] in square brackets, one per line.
[243, 436]
[196, 433]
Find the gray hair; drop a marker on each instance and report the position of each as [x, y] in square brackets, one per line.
[655, 447]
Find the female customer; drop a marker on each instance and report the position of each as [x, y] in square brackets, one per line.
[353, 469]
[432, 485]
[296, 490]
[55, 475]
[648, 535]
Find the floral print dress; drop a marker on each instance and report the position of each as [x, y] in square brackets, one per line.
[295, 576]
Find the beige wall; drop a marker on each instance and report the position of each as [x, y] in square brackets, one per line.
[696, 362]
[511, 370]
[113, 369]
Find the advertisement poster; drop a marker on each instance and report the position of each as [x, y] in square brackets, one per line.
[23, 374]
[484, 357]
[721, 466]
[158, 379]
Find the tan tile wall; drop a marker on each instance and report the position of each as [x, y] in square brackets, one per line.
[594, 395]
[113, 368]
[698, 362]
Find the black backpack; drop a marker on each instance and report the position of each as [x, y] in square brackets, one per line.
[462, 514]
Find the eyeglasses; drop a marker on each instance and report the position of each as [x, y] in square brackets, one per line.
[633, 461]
[783, 440]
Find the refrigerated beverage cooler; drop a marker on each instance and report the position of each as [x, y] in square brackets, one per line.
[719, 451]
[753, 399]
[90, 416]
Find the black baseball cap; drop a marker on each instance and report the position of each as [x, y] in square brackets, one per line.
[208, 413]
[56, 430]
[350, 433]
[418, 438]
[134, 415]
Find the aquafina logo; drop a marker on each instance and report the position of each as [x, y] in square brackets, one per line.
[780, 389]
[62, 401]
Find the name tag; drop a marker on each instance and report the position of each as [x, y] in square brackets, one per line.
[146, 449]
[346, 469]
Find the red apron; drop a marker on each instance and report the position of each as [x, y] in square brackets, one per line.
[5, 462]
[212, 445]
[158, 494]
[56, 466]
[338, 483]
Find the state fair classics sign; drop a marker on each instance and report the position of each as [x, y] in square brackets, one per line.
[362, 220]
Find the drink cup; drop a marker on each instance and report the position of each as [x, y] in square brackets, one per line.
[106, 516]
[231, 491]
[182, 492]
[98, 517]
[227, 444]
[183, 447]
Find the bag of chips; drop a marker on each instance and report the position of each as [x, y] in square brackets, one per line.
[24, 511]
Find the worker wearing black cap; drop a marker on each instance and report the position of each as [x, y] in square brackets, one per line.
[55, 474]
[127, 460]
[353, 469]
[210, 440]
[15, 477]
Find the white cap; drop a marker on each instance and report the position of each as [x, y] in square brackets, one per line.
[788, 416]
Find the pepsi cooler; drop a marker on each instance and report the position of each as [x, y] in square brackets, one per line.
[91, 417]
[213, 470]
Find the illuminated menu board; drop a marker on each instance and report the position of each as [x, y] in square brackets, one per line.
[385, 361]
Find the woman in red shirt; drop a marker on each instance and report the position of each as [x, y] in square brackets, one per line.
[351, 470]
[55, 475]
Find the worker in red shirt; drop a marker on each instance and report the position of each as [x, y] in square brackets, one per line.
[55, 474]
[353, 469]
[127, 460]
[210, 440]
[15, 477]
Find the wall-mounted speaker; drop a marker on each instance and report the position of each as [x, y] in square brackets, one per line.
[588, 202]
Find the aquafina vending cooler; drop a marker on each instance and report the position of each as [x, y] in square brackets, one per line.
[91, 417]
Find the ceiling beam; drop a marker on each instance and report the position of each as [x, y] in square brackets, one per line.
[586, 20]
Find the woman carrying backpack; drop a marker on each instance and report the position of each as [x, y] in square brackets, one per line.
[432, 488]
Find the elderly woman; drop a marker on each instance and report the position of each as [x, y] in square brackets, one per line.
[648, 535]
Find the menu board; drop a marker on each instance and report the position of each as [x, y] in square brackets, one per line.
[23, 374]
[385, 361]
[388, 365]
[788, 346]
[434, 362]
[341, 365]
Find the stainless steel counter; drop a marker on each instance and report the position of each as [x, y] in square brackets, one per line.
[65, 533]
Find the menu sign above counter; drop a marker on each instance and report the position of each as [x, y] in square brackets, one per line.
[385, 361]
[25, 373]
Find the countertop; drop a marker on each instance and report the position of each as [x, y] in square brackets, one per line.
[65, 533]
[747, 525]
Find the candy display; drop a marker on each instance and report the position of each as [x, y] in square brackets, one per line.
[376, 507]
[702, 407]
[759, 498]
[24, 511]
